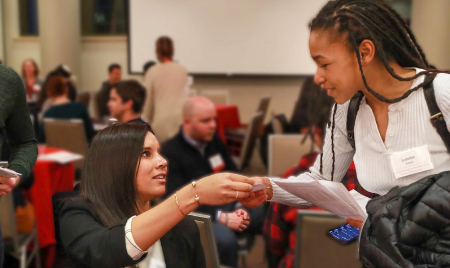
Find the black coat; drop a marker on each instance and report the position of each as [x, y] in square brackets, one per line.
[409, 226]
[89, 244]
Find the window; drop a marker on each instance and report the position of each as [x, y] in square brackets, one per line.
[28, 15]
[104, 17]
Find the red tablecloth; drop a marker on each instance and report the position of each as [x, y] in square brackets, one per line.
[227, 116]
[50, 178]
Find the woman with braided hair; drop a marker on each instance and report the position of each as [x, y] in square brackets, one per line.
[364, 46]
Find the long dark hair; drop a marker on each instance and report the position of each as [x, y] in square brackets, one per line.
[375, 20]
[109, 174]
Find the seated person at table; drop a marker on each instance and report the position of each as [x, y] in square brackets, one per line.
[123, 173]
[126, 100]
[114, 76]
[63, 108]
[197, 151]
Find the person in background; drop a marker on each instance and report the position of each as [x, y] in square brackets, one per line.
[126, 100]
[114, 76]
[31, 80]
[165, 84]
[112, 223]
[63, 71]
[16, 123]
[64, 108]
[197, 151]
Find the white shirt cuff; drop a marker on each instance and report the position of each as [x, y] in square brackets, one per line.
[132, 249]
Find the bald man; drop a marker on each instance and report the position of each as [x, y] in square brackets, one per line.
[197, 151]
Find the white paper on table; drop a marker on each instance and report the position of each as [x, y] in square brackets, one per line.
[331, 196]
[61, 157]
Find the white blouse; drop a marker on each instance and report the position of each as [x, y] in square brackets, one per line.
[409, 127]
[155, 256]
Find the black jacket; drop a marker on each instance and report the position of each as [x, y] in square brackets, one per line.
[409, 226]
[186, 163]
[89, 244]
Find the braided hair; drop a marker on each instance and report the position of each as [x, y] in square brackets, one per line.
[374, 20]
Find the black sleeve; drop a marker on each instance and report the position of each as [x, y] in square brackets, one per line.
[19, 129]
[88, 242]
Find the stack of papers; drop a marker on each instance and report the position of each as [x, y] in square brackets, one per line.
[61, 157]
[331, 196]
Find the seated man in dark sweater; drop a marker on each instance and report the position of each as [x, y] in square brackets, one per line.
[126, 100]
[63, 108]
[197, 151]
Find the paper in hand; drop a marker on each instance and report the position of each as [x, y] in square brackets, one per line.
[258, 186]
[6, 173]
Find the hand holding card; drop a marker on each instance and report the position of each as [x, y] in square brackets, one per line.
[258, 186]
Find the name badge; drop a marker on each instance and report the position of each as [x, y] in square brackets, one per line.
[216, 163]
[36, 87]
[154, 263]
[411, 161]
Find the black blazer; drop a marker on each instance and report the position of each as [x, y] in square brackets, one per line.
[89, 244]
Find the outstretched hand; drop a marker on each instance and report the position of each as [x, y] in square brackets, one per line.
[255, 198]
[222, 188]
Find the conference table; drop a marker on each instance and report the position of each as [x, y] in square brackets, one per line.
[50, 178]
[227, 117]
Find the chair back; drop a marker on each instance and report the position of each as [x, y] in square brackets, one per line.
[68, 134]
[251, 135]
[263, 106]
[207, 238]
[285, 152]
[316, 248]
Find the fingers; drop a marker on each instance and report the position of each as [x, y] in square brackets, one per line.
[240, 186]
[252, 202]
[9, 181]
[240, 178]
[6, 184]
[240, 195]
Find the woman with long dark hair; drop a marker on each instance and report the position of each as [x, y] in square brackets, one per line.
[364, 45]
[112, 223]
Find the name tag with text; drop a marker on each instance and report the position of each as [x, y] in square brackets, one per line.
[216, 162]
[411, 161]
